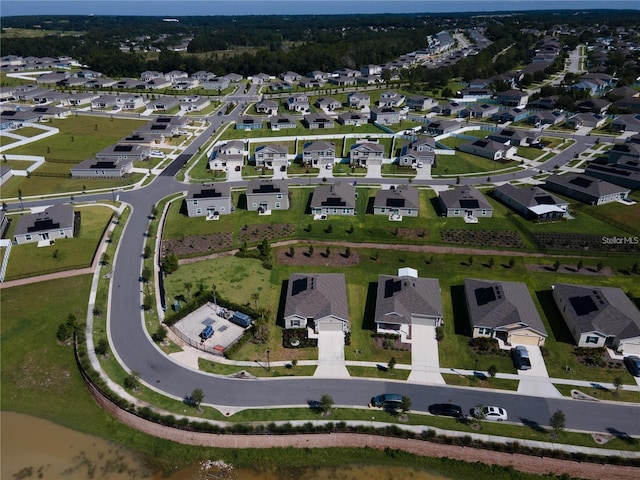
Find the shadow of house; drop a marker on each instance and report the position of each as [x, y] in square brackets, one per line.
[370, 308]
[281, 303]
[461, 324]
[437, 206]
[558, 327]
[307, 207]
[370, 203]
[242, 201]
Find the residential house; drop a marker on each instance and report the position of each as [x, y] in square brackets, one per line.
[103, 168]
[417, 153]
[128, 83]
[233, 77]
[613, 174]
[328, 104]
[369, 79]
[513, 98]
[440, 127]
[82, 98]
[194, 103]
[272, 156]
[405, 300]
[124, 151]
[420, 103]
[626, 123]
[533, 203]
[515, 137]
[589, 120]
[228, 156]
[358, 100]
[586, 189]
[246, 122]
[156, 84]
[599, 316]
[335, 199]
[449, 108]
[400, 201]
[130, 102]
[475, 94]
[217, 83]
[176, 76]
[511, 115]
[503, 310]
[594, 105]
[317, 301]
[371, 70]
[163, 127]
[354, 119]
[266, 195]
[280, 87]
[319, 75]
[629, 104]
[270, 107]
[298, 103]
[104, 102]
[203, 75]
[280, 122]
[48, 113]
[546, 118]
[308, 82]
[390, 99]
[54, 223]
[385, 115]
[464, 201]
[318, 120]
[319, 153]
[164, 104]
[208, 199]
[291, 77]
[261, 78]
[488, 149]
[52, 78]
[626, 150]
[151, 75]
[366, 153]
[484, 110]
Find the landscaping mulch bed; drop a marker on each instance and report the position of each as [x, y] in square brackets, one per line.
[270, 231]
[412, 234]
[301, 257]
[491, 238]
[198, 244]
[580, 241]
[588, 270]
[391, 344]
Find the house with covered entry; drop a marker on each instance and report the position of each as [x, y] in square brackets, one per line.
[319, 153]
[385, 115]
[208, 199]
[298, 103]
[515, 137]
[406, 300]
[335, 199]
[464, 201]
[391, 99]
[503, 310]
[420, 103]
[317, 301]
[418, 153]
[318, 121]
[266, 195]
[400, 201]
[270, 107]
[247, 122]
[353, 119]
[358, 100]
[599, 316]
[102, 168]
[272, 156]
[328, 104]
[229, 155]
[53, 223]
[488, 149]
[366, 152]
[532, 203]
[513, 98]
[279, 122]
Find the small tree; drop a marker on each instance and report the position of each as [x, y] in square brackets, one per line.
[405, 405]
[326, 404]
[617, 384]
[147, 251]
[599, 266]
[556, 265]
[292, 251]
[159, 335]
[558, 421]
[392, 363]
[294, 363]
[196, 397]
[188, 286]
[492, 370]
[311, 250]
[170, 263]
[347, 252]
[512, 262]
[470, 261]
[146, 274]
[490, 262]
[329, 229]
[102, 347]
[132, 381]
[327, 251]
[635, 268]
[104, 260]
[579, 265]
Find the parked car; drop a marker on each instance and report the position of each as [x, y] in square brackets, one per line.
[388, 401]
[521, 359]
[498, 414]
[156, 154]
[447, 409]
[633, 364]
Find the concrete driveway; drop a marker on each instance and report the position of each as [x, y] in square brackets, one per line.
[425, 364]
[423, 173]
[331, 362]
[536, 380]
[374, 171]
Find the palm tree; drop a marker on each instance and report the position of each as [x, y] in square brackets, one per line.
[187, 287]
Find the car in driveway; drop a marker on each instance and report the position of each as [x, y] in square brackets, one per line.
[446, 409]
[633, 364]
[489, 412]
[520, 356]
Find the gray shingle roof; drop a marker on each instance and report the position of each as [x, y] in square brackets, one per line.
[603, 309]
[56, 217]
[405, 197]
[317, 295]
[330, 194]
[453, 198]
[586, 184]
[398, 298]
[497, 304]
[530, 196]
[209, 190]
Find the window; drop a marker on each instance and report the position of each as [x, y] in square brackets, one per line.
[277, 205]
[195, 202]
[295, 323]
[456, 212]
[279, 196]
[593, 340]
[27, 237]
[484, 212]
[484, 331]
[198, 211]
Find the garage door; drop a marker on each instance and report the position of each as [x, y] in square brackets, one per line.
[330, 326]
[524, 340]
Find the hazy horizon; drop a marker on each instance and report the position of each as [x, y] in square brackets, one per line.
[294, 7]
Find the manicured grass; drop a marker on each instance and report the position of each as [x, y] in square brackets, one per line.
[370, 372]
[475, 382]
[273, 371]
[35, 186]
[67, 253]
[464, 163]
[602, 393]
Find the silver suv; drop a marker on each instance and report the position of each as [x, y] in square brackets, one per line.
[521, 359]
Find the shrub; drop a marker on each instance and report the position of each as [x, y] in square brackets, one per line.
[439, 333]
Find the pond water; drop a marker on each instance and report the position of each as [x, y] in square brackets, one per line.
[38, 449]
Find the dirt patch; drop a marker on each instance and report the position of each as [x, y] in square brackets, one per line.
[418, 234]
[491, 238]
[270, 231]
[198, 244]
[591, 270]
[319, 256]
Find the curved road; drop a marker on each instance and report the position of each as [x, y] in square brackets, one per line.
[131, 343]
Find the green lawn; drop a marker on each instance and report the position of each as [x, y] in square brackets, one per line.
[67, 253]
[464, 163]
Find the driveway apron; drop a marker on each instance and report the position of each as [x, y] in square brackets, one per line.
[425, 364]
[536, 381]
[331, 362]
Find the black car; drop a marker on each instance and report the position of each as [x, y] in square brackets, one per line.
[633, 364]
[521, 357]
[447, 409]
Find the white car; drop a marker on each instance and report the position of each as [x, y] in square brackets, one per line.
[497, 414]
[156, 154]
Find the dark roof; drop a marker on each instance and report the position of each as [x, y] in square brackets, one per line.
[399, 298]
[340, 194]
[317, 295]
[464, 196]
[529, 196]
[56, 217]
[262, 187]
[209, 190]
[401, 197]
[602, 309]
[585, 184]
[497, 304]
